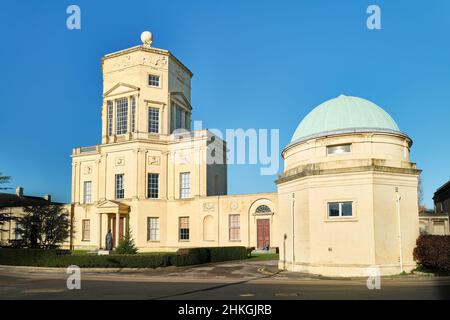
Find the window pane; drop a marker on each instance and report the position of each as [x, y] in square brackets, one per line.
[153, 185]
[185, 187]
[333, 209]
[347, 209]
[86, 229]
[133, 113]
[120, 192]
[184, 228]
[153, 120]
[121, 115]
[110, 117]
[345, 148]
[87, 192]
[153, 229]
[153, 80]
[234, 227]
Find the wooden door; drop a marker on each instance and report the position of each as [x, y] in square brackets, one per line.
[263, 233]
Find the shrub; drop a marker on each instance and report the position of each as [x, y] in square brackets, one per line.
[126, 245]
[64, 258]
[433, 252]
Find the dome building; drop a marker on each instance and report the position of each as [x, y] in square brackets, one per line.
[348, 194]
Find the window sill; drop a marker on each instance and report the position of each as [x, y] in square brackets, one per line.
[84, 240]
[341, 219]
[183, 240]
[234, 240]
[153, 241]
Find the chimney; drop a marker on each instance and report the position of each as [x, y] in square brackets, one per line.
[48, 197]
[19, 191]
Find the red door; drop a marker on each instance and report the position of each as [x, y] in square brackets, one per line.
[263, 233]
[114, 230]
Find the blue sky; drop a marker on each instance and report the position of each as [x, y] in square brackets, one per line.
[256, 64]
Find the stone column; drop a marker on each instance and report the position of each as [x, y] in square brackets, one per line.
[100, 231]
[117, 228]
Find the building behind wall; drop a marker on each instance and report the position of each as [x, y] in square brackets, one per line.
[13, 204]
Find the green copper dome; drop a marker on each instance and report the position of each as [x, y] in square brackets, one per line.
[344, 114]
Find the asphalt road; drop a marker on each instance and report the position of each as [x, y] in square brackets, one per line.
[239, 280]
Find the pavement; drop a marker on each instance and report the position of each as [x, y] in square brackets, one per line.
[243, 280]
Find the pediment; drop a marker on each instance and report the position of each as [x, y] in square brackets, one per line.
[181, 96]
[120, 88]
[110, 206]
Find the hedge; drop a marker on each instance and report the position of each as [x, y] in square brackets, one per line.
[61, 258]
[433, 252]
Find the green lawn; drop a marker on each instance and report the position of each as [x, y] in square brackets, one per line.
[264, 256]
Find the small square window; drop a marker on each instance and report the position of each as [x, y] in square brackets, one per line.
[340, 209]
[153, 80]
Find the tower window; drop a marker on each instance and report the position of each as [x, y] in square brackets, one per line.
[133, 113]
[87, 192]
[340, 209]
[185, 185]
[179, 118]
[153, 81]
[110, 109]
[121, 115]
[153, 185]
[153, 120]
[339, 149]
[120, 190]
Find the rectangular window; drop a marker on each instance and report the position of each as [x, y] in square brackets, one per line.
[152, 229]
[121, 115]
[120, 190]
[340, 209]
[235, 227]
[184, 228]
[152, 185]
[185, 185]
[153, 81]
[153, 120]
[17, 231]
[178, 116]
[87, 192]
[86, 230]
[133, 113]
[344, 148]
[110, 109]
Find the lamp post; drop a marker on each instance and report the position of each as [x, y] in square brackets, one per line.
[399, 228]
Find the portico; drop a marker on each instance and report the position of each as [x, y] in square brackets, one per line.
[114, 216]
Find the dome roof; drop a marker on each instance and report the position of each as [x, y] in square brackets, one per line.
[344, 114]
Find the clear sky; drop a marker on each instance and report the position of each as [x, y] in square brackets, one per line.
[256, 64]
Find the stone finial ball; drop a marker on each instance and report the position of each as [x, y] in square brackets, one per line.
[146, 37]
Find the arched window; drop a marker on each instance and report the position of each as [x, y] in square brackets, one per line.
[263, 209]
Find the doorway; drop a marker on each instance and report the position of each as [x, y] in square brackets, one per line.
[263, 233]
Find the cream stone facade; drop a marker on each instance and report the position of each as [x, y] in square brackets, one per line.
[163, 182]
[346, 200]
